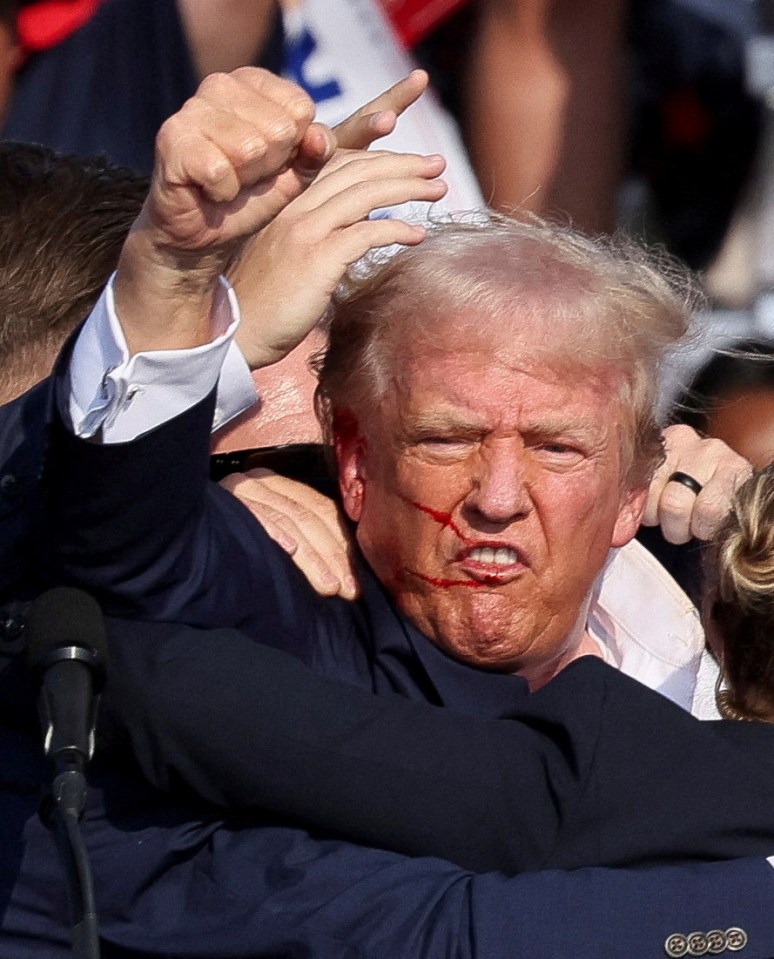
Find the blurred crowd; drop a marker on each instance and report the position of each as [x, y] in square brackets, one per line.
[609, 114]
[554, 389]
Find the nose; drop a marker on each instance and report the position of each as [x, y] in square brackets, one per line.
[499, 492]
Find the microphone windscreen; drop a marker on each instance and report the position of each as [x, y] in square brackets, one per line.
[64, 617]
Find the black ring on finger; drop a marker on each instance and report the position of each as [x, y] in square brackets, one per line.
[685, 480]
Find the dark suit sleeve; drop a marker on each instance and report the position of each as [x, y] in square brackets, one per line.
[247, 726]
[382, 904]
[346, 902]
[612, 913]
[582, 773]
[141, 527]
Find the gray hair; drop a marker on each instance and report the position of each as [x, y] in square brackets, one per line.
[611, 303]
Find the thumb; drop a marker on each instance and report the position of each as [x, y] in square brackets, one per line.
[314, 151]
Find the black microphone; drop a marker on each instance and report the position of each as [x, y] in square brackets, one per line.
[67, 648]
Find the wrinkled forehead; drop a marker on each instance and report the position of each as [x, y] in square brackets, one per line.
[527, 337]
[506, 367]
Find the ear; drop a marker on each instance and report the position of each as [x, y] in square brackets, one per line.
[350, 447]
[629, 516]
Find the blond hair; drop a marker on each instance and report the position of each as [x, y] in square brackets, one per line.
[740, 576]
[609, 303]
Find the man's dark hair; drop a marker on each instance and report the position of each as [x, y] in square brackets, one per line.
[63, 221]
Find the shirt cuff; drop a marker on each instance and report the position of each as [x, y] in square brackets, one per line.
[121, 396]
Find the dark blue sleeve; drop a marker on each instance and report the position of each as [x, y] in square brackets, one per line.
[141, 526]
[245, 726]
[335, 902]
[582, 773]
[175, 887]
[425, 909]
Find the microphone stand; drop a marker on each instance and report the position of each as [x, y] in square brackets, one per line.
[61, 812]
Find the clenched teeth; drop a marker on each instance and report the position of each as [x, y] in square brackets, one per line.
[502, 556]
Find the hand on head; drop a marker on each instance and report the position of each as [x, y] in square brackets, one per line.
[289, 271]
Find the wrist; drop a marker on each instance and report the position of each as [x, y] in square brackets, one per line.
[164, 301]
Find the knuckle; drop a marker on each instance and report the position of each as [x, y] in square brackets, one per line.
[216, 169]
[708, 515]
[681, 434]
[216, 85]
[252, 147]
[280, 129]
[299, 104]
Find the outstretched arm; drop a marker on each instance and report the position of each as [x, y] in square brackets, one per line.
[227, 163]
[377, 769]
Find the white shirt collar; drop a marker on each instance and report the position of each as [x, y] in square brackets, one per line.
[648, 627]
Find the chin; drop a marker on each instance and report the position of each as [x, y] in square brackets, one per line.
[496, 650]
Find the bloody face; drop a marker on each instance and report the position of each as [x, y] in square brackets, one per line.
[488, 491]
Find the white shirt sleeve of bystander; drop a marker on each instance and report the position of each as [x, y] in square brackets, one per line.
[121, 396]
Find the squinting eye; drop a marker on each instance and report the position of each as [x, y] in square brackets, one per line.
[559, 453]
[447, 441]
[445, 445]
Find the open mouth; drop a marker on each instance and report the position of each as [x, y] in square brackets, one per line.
[492, 564]
[493, 556]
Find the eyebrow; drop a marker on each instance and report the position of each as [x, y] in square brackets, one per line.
[427, 423]
[563, 426]
[438, 421]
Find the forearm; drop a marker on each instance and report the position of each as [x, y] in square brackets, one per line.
[375, 769]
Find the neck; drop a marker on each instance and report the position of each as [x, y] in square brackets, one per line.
[579, 643]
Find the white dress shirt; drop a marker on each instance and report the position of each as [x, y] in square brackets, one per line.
[125, 396]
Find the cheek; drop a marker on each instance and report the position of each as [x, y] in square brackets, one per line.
[390, 539]
[581, 528]
[399, 533]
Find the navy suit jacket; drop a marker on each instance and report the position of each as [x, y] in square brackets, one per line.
[194, 884]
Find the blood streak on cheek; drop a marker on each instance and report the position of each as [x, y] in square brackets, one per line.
[444, 519]
[450, 583]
